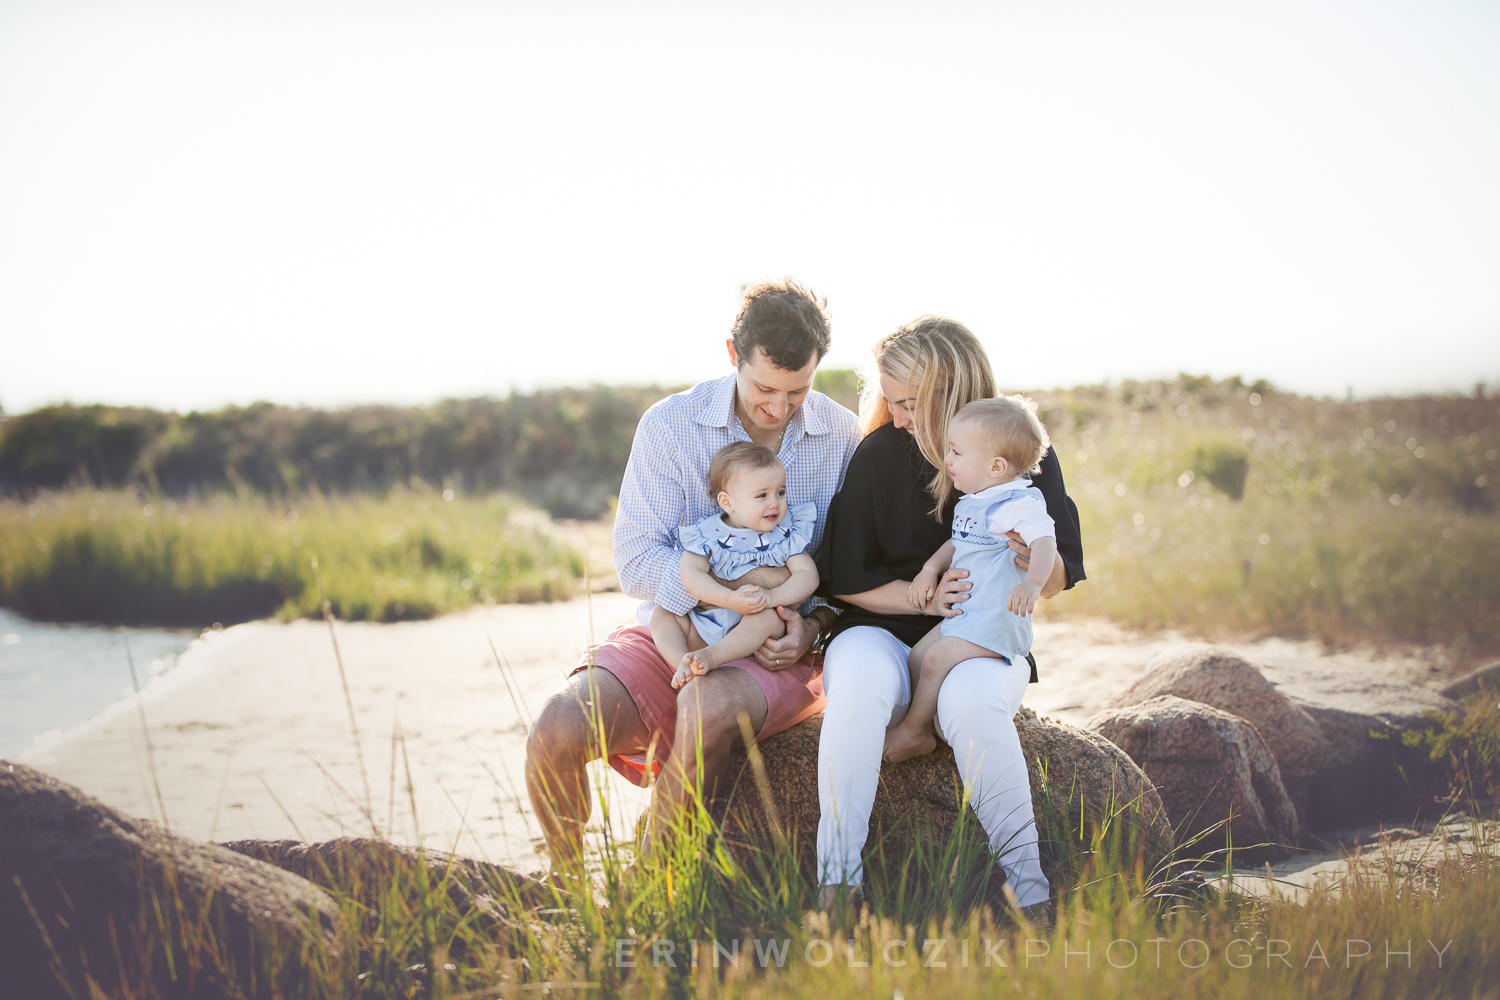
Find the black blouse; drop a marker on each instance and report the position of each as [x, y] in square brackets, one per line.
[879, 529]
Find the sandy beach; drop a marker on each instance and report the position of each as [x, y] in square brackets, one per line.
[251, 736]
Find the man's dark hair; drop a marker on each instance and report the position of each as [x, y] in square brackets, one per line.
[783, 319]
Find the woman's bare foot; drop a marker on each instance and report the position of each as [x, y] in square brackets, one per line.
[902, 743]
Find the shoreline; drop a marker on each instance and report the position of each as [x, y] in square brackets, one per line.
[189, 663]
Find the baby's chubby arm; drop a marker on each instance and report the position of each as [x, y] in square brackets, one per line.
[1024, 596]
[697, 581]
[921, 589]
[798, 587]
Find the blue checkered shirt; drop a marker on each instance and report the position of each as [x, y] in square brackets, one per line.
[666, 481]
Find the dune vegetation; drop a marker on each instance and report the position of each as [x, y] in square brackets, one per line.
[123, 556]
[1217, 507]
[1223, 509]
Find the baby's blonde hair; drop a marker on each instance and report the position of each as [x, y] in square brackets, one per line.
[1011, 429]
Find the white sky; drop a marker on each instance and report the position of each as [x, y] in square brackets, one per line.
[212, 202]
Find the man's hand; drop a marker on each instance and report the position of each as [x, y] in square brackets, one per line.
[779, 654]
[1023, 598]
[1059, 578]
[748, 600]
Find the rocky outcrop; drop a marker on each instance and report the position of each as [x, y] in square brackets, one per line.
[1223, 679]
[367, 870]
[1367, 775]
[1473, 683]
[90, 895]
[1207, 765]
[920, 802]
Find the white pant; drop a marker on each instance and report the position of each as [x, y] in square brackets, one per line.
[868, 688]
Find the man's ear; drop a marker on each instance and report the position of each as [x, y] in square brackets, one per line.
[734, 356]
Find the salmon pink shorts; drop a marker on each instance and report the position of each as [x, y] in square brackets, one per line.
[629, 653]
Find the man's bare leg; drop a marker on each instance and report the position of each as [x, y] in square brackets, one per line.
[913, 736]
[710, 705]
[594, 711]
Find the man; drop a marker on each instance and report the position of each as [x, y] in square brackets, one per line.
[620, 700]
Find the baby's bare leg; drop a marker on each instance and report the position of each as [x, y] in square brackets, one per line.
[742, 640]
[919, 652]
[913, 735]
[674, 635]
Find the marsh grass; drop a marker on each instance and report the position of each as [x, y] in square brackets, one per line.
[692, 920]
[133, 558]
[1222, 509]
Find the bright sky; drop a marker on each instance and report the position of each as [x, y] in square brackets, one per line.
[215, 202]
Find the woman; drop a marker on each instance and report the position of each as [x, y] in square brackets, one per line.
[892, 512]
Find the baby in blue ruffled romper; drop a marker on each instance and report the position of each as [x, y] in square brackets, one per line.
[755, 528]
[991, 443]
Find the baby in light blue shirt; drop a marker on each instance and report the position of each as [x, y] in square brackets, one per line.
[991, 442]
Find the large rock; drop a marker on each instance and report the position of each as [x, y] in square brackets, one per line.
[1484, 677]
[1367, 776]
[1215, 676]
[1088, 779]
[1208, 765]
[94, 896]
[368, 869]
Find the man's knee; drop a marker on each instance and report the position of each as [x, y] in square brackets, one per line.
[706, 706]
[561, 729]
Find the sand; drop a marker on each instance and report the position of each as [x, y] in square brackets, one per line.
[251, 735]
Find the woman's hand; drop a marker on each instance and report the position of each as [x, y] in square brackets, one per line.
[1059, 578]
[922, 588]
[952, 590]
[779, 654]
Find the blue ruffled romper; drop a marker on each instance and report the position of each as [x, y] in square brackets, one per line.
[733, 552]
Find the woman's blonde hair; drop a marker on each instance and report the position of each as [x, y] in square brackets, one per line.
[948, 366]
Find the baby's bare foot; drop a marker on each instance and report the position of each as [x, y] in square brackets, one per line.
[694, 664]
[901, 744]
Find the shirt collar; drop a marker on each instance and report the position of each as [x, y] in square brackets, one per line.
[1015, 484]
[719, 403]
[718, 408]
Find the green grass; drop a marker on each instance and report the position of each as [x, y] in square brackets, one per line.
[124, 557]
[1121, 931]
[1361, 521]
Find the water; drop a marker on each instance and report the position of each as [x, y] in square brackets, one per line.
[54, 677]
